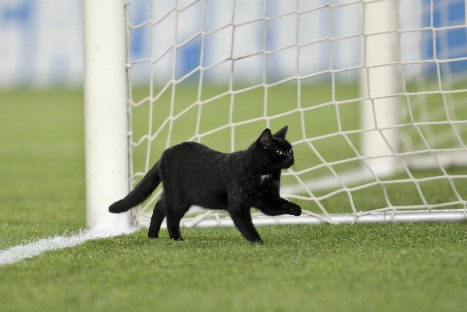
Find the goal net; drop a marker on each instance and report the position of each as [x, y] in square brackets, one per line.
[374, 94]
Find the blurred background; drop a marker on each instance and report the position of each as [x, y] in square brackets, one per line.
[314, 46]
[41, 40]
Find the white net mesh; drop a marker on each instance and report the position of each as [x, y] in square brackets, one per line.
[219, 72]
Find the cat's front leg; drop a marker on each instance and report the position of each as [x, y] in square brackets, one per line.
[278, 206]
[292, 208]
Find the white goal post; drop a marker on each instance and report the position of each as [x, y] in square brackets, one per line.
[106, 113]
[373, 91]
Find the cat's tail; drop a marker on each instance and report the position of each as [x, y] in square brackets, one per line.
[140, 193]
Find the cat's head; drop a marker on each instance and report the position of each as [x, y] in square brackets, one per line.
[278, 149]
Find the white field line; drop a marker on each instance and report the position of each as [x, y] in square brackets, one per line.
[27, 251]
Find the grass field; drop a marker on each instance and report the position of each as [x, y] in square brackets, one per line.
[393, 267]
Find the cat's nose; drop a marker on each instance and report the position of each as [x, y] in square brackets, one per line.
[288, 162]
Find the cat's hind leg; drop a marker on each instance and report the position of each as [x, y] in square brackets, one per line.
[175, 211]
[158, 216]
[173, 226]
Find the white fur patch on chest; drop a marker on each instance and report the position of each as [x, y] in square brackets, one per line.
[265, 177]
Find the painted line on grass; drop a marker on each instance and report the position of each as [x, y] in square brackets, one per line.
[27, 251]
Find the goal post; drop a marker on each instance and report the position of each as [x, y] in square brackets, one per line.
[378, 85]
[371, 101]
[106, 113]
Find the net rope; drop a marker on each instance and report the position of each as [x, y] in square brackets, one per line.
[220, 73]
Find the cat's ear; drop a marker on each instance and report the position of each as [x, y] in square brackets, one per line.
[265, 139]
[281, 133]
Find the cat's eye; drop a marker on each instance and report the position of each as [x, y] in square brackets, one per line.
[280, 152]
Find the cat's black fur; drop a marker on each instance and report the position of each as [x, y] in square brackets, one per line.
[193, 174]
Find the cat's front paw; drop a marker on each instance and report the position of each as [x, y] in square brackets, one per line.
[295, 209]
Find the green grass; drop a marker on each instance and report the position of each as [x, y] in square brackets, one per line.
[393, 267]
[405, 267]
[42, 189]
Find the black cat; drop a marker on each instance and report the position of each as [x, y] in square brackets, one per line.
[193, 174]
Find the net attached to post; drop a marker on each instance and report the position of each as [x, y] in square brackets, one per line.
[219, 72]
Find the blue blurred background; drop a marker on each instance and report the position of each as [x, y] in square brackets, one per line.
[41, 40]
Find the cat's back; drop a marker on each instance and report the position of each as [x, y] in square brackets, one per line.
[189, 148]
[191, 155]
[190, 170]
